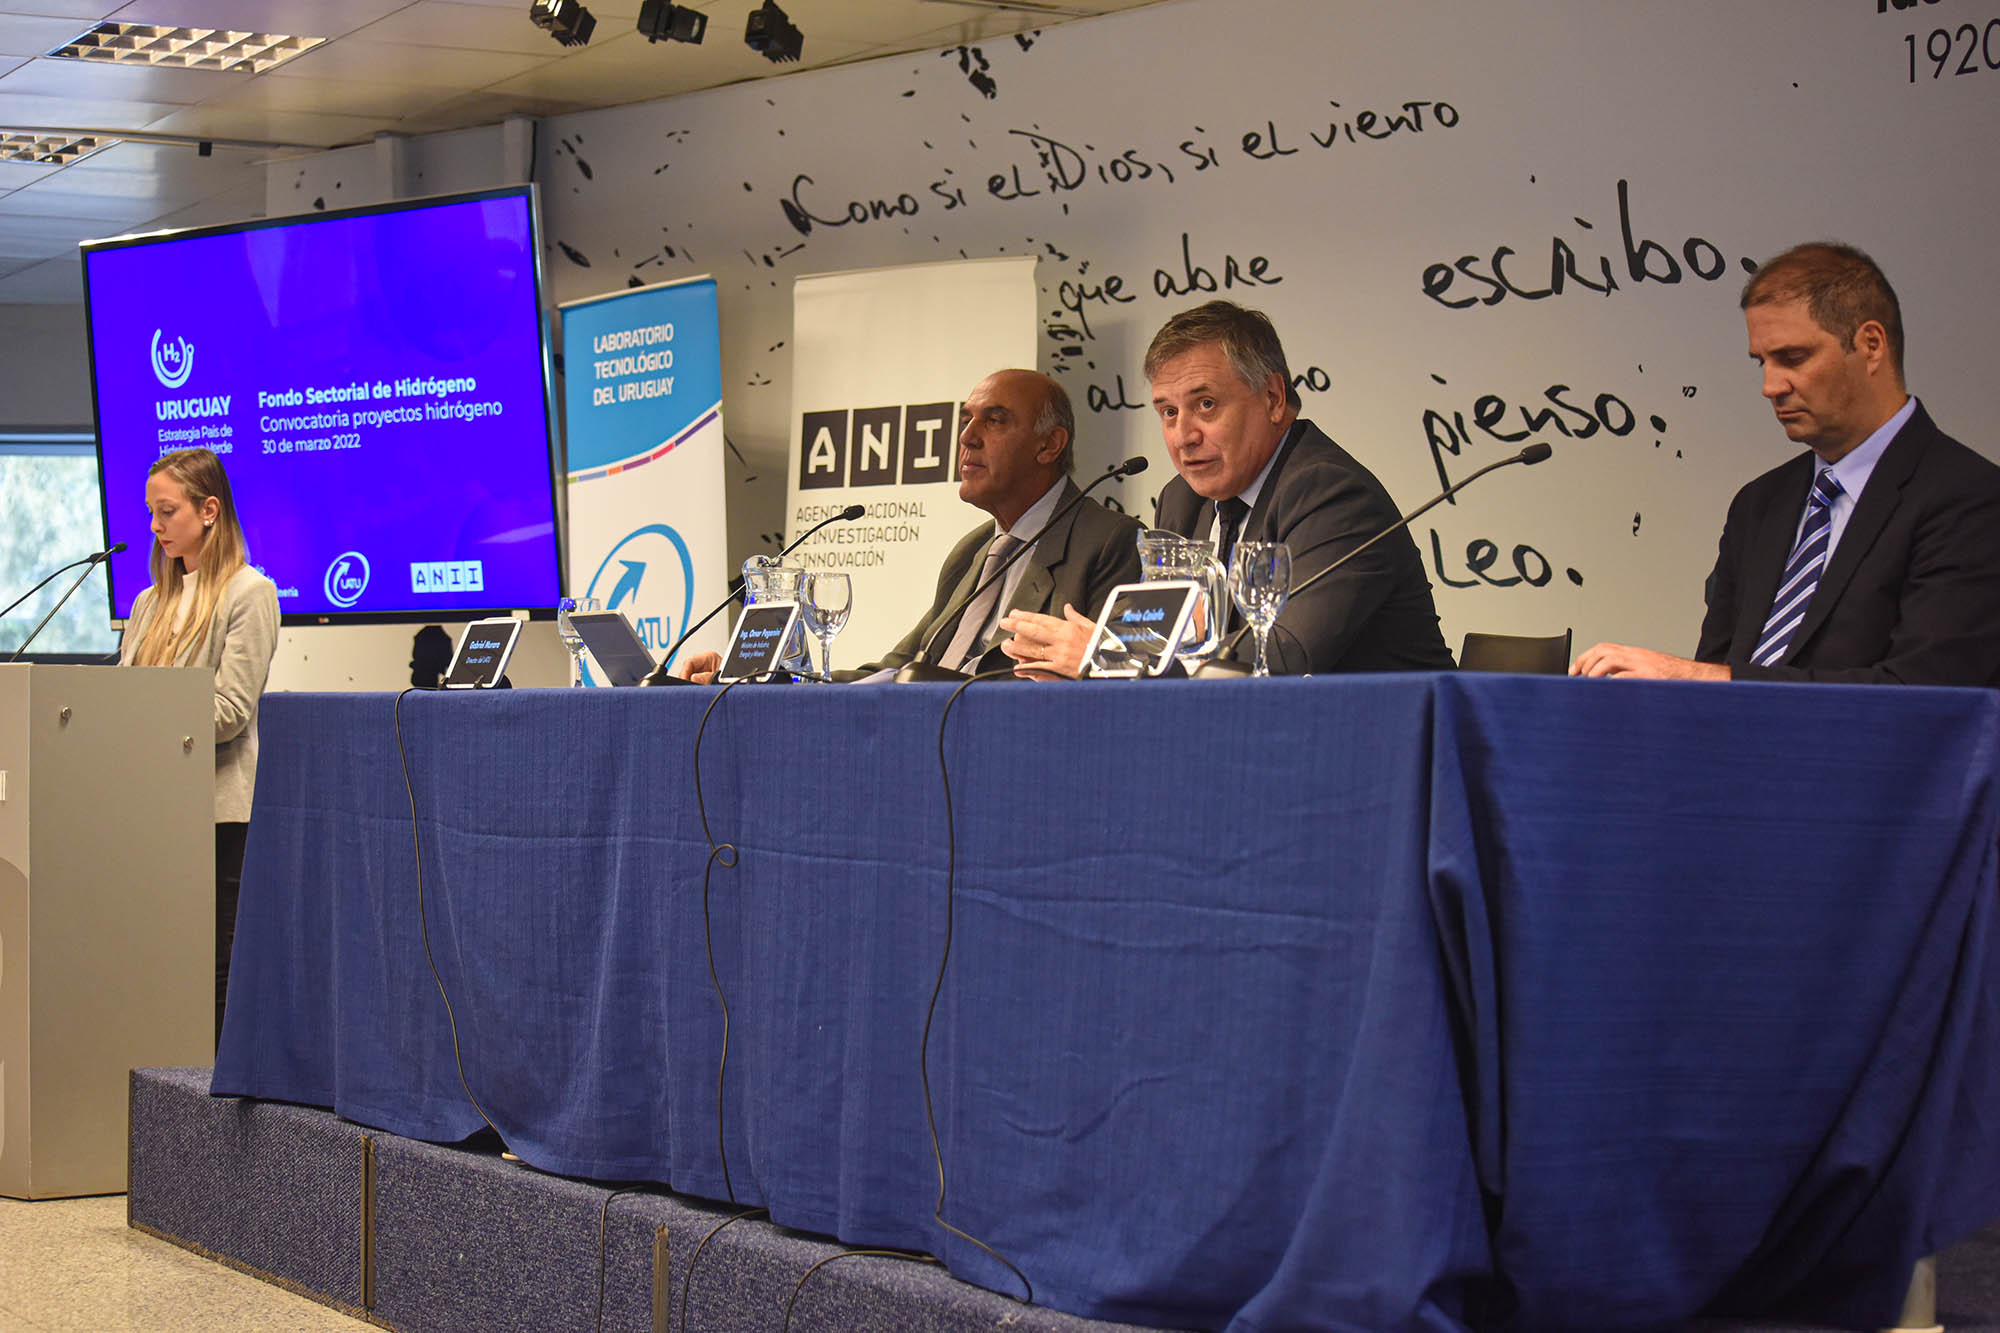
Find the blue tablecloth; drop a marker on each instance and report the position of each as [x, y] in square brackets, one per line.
[1377, 1003]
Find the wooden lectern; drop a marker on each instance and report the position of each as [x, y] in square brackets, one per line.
[107, 909]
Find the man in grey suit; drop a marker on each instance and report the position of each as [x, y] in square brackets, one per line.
[1014, 459]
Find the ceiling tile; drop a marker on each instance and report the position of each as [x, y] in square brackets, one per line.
[44, 200]
[75, 113]
[14, 175]
[341, 97]
[99, 81]
[471, 28]
[296, 18]
[90, 11]
[54, 232]
[389, 62]
[26, 35]
[291, 128]
[52, 282]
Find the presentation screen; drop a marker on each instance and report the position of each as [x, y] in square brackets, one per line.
[376, 384]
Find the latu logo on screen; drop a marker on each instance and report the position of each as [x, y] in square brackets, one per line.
[172, 362]
[347, 579]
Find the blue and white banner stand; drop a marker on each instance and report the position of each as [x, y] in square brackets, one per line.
[642, 394]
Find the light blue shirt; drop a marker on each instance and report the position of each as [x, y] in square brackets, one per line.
[1852, 472]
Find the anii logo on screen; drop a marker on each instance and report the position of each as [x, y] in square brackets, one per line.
[173, 362]
[441, 576]
[347, 578]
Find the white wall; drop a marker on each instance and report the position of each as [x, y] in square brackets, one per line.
[1104, 143]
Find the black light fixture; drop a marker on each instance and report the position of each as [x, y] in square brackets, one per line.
[660, 21]
[771, 33]
[567, 20]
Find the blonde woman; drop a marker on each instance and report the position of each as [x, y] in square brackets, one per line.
[207, 607]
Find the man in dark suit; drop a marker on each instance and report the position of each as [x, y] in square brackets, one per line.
[1230, 417]
[1875, 557]
[1015, 432]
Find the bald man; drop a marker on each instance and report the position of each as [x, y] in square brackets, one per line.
[1014, 461]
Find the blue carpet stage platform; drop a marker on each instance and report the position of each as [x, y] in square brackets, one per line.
[415, 1236]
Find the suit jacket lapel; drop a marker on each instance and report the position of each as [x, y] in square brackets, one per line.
[1038, 582]
[1257, 524]
[1878, 501]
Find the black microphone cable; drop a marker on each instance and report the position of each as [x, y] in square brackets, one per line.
[423, 922]
[909, 1256]
[687, 1278]
[944, 961]
[603, 1229]
[726, 855]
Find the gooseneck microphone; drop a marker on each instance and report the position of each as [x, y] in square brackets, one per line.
[663, 674]
[1129, 468]
[1532, 454]
[90, 561]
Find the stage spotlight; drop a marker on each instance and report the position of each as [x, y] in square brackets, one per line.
[567, 20]
[773, 34]
[660, 21]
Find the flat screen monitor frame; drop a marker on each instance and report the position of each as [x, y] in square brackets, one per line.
[441, 611]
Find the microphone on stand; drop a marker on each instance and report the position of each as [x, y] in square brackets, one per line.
[663, 675]
[1532, 454]
[920, 670]
[91, 562]
[92, 559]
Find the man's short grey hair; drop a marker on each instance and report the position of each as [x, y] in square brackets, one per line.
[1056, 411]
[1246, 337]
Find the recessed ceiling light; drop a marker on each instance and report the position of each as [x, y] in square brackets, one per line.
[56, 149]
[185, 48]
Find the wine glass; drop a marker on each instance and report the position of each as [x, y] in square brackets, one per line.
[827, 599]
[1260, 579]
[571, 639]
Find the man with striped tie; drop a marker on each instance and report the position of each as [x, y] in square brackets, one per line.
[1876, 556]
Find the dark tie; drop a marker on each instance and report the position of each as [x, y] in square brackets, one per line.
[1801, 575]
[1229, 516]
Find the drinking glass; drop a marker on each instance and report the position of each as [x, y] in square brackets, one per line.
[571, 639]
[1260, 579]
[827, 601]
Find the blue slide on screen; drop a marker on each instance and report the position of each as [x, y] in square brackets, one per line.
[374, 383]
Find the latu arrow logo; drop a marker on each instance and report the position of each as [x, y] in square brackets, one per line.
[173, 363]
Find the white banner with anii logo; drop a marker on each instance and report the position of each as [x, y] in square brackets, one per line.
[642, 398]
[883, 359]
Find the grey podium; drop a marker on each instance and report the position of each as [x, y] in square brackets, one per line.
[107, 909]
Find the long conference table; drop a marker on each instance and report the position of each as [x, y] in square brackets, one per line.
[1392, 1002]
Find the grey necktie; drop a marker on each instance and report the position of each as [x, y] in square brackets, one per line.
[969, 639]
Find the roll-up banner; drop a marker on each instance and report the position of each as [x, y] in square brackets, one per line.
[882, 360]
[642, 393]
